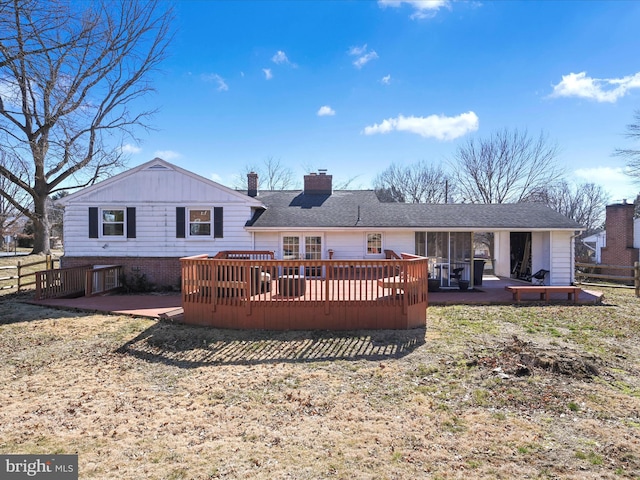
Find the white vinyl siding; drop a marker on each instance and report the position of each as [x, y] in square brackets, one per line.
[561, 258]
[155, 193]
[155, 234]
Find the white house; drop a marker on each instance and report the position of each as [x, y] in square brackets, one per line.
[150, 216]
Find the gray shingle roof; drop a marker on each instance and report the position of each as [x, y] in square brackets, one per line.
[361, 208]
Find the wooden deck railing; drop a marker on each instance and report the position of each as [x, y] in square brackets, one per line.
[246, 254]
[103, 279]
[77, 281]
[61, 282]
[290, 294]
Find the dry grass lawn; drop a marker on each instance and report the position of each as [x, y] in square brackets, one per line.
[484, 392]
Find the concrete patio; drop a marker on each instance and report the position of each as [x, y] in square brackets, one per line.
[169, 306]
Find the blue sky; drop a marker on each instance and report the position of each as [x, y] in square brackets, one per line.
[354, 86]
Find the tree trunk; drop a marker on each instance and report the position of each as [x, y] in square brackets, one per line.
[41, 243]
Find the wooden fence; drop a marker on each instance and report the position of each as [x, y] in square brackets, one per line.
[24, 271]
[585, 272]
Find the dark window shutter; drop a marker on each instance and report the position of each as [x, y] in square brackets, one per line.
[217, 222]
[180, 222]
[131, 222]
[93, 222]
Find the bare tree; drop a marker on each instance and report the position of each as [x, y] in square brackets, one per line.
[272, 175]
[506, 167]
[585, 203]
[417, 183]
[68, 73]
[632, 155]
[10, 216]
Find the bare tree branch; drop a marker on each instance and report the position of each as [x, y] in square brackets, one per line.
[506, 167]
[68, 73]
[632, 155]
[272, 175]
[417, 183]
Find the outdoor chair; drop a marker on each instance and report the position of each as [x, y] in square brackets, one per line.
[457, 273]
[538, 277]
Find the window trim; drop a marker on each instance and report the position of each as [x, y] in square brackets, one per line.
[183, 222]
[102, 222]
[366, 243]
[302, 245]
[189, 223]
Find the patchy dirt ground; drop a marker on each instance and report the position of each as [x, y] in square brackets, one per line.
[484, 392]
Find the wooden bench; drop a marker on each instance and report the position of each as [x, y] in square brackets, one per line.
[544, 291]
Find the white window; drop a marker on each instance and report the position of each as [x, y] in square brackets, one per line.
[113, 222]
[199, 223]
[374, 243]
[290, 248]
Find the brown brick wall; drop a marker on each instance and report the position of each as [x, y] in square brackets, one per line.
[160, 271]
[320, 184]
[252, 184]
[619, 227]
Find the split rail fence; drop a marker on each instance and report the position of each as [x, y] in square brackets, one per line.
[588, 272]
[25, 274]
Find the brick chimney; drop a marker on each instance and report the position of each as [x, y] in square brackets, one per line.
[619, 228]
[318, 183]
[252, 184]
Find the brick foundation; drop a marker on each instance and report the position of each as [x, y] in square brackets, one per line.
[162, 272]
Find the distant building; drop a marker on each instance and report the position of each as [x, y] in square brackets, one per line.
[619, 242]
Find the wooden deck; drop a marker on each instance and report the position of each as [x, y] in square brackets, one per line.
[305, 294]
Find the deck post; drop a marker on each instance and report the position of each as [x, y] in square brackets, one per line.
[405, 298]
[214, 286]
[327, 281]
[248, 286]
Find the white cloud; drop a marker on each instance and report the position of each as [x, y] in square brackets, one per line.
[386, 80]
[267, 73]
[364, 56]
[167, 154]
[281, 58]
[421, 8]
[128, 148]
[434, 126]
[215, 78]
[216, 178]
[326, 110]
[355, 51]
[616, 180]
[598, 89]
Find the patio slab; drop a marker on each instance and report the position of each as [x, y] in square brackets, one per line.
[169, 306]
[151, 306]
[492, 291]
